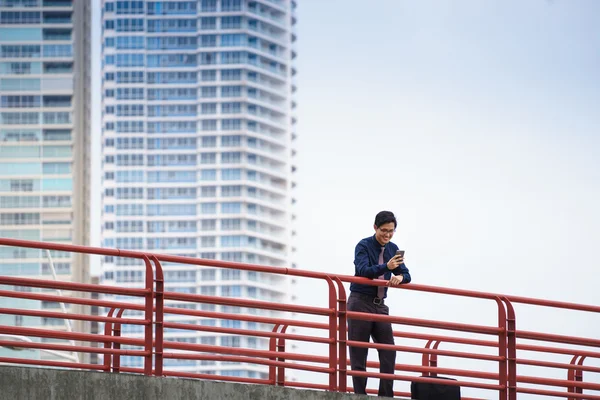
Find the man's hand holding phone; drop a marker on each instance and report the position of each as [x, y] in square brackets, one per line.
[396, 260]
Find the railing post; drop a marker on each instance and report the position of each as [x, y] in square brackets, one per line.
[281, 349]
[333, 333]
[425, 357]
[342, 337]
[148, 317]
[433, 359]
[511, 333]
[575, 375]
[273, 348]
[579, 375]
[502, 350]
[160, 317]
[108, 344]
[117, 346]
[428, 359]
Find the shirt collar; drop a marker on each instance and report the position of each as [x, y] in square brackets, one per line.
[376, 244]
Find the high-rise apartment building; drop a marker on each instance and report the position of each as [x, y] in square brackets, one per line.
[198, 146]
[44, 143]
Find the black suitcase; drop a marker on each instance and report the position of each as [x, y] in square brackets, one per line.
[434, 391]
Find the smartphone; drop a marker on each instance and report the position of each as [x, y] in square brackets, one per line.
[400, 253]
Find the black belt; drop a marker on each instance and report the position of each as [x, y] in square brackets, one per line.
[375, 300]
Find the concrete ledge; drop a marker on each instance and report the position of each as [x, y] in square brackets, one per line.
[24, 383]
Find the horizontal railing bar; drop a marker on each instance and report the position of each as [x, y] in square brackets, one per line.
[70, 300]
[45, 363]
[449, 382]
[246, 317]
[248, 360]
[54, 334]
[556, 393]
[438, 370]
[488, 330]
[213, 377]
[407, 395]
[71, 348]
[557, 350]
[240, 350]
[230, 301]
[72, 286]
[557, 382]
[548, 364]
[547, 337]
[408, 349]
[445, 339]
[78, 317]
[245, 332]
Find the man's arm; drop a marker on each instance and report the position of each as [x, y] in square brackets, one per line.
[402, 270]
[362, 264]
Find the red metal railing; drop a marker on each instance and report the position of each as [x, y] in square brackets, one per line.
[507, 341]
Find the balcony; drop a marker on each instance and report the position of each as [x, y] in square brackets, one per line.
[57, 17]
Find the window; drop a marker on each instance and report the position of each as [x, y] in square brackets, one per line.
[209, 91]
[208, 5]
[208, 58]
[209, 125]
[231, 208]
[208, 191]
[20, 17]
[230, 341]
[231, 75]
[208, 158]
[231, 174]
[231, 191]
[208, 174]
[208, 208]
[209, 75]
[130, 60]
[231, 5]
[231, 141]
[209, 141]
[231, 91]
[130, 42]
[208, 23]
[130, 77]
[233, 40]
[208, 40]
[20, 51]
[208, 225]
[208, 108]
[130, 24]
[233, 57]
[231, 225]
[231, 124]
[231, 108]
[231, 22]
[130, 7]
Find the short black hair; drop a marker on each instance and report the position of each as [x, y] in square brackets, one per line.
[385, 217]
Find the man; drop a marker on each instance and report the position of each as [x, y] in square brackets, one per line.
[375, 257]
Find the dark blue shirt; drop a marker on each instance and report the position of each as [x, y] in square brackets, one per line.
[366, 264]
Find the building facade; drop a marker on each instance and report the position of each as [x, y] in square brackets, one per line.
[44, 143]
[198, 146]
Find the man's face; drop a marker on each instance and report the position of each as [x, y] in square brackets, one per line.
[384, 233]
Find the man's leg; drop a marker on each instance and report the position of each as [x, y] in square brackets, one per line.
[382, 333]
[359, 331]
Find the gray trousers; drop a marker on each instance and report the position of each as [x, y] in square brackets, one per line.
[362, 331]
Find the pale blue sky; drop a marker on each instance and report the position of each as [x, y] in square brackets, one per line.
[477, 123]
